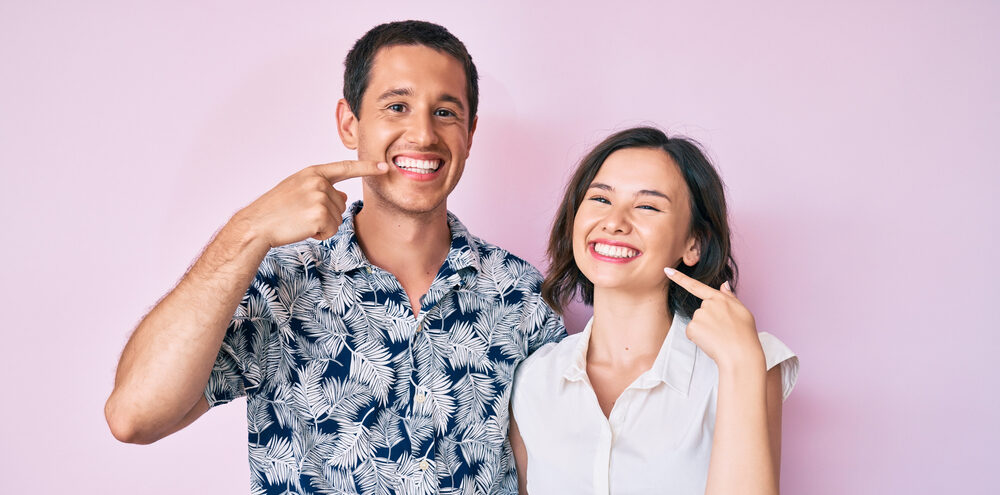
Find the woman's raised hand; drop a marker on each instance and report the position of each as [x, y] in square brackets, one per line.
[722, 327]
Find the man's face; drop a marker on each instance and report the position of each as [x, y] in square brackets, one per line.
[414, 116]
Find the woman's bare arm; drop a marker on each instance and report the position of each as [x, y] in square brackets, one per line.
[747, 440]
[520, 456]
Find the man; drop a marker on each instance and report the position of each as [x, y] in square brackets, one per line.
[376, 357]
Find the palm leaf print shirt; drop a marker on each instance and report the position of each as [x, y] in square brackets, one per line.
[348, 392]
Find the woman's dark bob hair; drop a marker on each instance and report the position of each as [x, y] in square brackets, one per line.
[709, 223]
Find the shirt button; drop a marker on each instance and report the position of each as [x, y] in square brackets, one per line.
[420, 397]
[424, 465]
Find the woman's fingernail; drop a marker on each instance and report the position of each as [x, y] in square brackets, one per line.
[669, 271]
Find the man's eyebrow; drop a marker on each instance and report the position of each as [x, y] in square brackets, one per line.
[453, 99]
[397, 92]
[643, 192]
[394, 93]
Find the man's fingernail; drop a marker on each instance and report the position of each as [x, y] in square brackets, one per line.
[669, 271]
[383, 166]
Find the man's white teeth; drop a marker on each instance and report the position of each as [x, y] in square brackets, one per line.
[418, 166]
[614, 251]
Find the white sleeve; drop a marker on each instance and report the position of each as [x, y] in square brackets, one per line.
[777, 353]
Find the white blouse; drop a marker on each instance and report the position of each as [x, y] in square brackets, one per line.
[658, 438]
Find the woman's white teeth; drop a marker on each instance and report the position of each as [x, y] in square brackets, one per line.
[418, 166]
[614, 251]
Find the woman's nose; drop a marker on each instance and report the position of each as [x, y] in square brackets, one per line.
[616, 221]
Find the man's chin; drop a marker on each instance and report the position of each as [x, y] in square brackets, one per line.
[410, 205]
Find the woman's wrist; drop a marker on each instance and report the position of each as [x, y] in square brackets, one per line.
[745, 362]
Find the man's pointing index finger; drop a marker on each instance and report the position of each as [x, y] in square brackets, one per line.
[338, 171]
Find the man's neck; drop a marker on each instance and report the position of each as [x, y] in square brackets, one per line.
[411, 247]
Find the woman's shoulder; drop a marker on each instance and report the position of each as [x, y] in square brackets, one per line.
[549, 356]
[776, 353]
[540, 378]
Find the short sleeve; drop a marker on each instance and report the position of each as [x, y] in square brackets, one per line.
[225, 383]
[238, 364]
[548, 326]
[776, 353]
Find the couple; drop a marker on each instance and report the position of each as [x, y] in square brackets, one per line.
[378, 344]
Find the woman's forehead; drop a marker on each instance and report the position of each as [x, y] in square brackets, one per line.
[634, 169]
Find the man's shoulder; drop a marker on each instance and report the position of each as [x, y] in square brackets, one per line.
[499, 263]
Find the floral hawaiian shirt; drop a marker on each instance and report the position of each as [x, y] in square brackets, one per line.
[348, 392]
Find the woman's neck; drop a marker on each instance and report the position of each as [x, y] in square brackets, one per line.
[628, 328]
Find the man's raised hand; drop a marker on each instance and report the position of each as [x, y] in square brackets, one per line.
[722, 326]
[306, 204]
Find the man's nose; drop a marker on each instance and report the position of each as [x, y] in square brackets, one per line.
[421, 131]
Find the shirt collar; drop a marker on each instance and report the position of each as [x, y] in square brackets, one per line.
[576, 367]
[674, 364]
[347, 254]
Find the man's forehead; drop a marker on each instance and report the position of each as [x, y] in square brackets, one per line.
[416, 69]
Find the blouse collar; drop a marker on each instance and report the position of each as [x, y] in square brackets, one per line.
[674, 364]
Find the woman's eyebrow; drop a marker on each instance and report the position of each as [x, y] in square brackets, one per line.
[653, 192]
[643, 192]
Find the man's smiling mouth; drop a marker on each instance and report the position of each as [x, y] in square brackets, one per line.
[417, 166]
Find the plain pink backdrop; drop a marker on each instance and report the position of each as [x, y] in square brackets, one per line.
[855, 139]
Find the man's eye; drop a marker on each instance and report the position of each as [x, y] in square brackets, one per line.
[397, 107]
[443, 112]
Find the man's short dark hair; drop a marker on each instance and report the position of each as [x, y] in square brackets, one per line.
[358, 65]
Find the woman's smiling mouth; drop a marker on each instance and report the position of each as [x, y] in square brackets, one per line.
[613, 252]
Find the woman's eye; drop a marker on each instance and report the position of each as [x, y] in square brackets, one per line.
[396, 107]
[600, 199]
[648, 207]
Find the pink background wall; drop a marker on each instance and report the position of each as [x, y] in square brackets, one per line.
[855, 138]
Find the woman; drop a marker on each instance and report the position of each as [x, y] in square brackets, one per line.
[669, 388]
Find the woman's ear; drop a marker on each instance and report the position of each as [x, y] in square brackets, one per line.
[692, 253]
[347, 125]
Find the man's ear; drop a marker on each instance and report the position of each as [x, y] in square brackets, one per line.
[693, 252]
[347, 125]
[472, 130]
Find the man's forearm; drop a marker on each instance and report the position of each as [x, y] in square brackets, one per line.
[165, 366]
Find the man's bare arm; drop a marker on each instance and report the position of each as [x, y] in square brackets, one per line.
[167, 361]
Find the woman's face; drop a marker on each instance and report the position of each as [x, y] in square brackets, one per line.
[634, 221]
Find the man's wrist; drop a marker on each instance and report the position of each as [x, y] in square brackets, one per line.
[237, 246]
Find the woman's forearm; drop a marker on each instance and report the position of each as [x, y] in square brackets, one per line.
[742, 461]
